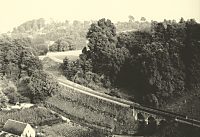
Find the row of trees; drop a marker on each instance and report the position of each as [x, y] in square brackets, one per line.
[133, 24]
[152, 65]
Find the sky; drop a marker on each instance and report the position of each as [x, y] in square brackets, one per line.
[15, 12]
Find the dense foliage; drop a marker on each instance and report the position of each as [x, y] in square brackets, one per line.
[66, 35]
[63, 44]
[21, 71]
[154, 65]
[60, 36]
[17, 58]
[42, 85]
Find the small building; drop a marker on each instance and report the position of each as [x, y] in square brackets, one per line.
[13, 128]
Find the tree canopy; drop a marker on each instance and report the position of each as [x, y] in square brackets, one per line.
[17, 58]
[153, 65]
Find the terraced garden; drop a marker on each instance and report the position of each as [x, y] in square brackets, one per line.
[93, 111]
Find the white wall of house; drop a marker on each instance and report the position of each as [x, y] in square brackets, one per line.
[28, 132]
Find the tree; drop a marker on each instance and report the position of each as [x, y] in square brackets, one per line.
[191, 54]
[182, 20]
[42, 85]
[131, 18]
[63, 44]
[143, 19]
[65, 66]
[30, 64]
[17, 57]
[102, 42]
[103, 54]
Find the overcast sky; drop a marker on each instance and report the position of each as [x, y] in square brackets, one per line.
[15, 12]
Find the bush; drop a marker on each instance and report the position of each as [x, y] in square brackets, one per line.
[114, 93]
[10, 88]
[24, 89]
[3, 99]
[13, 98]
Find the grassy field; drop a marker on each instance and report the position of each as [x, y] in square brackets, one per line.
[71, 55]
[34, 116]
[86, 109]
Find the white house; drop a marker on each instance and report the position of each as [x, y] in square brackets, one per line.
[17, 129]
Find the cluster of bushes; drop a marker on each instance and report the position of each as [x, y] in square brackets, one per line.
[11, 92]
[36, 88]
[3, 100]
[39, 44]
[65, 44]
[73, 71]
[154, 65]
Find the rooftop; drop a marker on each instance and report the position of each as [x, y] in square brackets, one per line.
[14, 127]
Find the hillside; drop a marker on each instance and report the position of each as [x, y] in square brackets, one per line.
[49, 35]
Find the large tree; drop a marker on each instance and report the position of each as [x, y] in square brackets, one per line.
[105, 57]
[42, 85]
[17, 58]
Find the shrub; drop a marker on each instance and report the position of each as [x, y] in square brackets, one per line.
[10, 88]
[3, 99]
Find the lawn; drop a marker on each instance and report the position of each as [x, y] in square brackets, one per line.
[71, 55]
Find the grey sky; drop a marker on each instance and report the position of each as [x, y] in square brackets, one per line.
[15, 12]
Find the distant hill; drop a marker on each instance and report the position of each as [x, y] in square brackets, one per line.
[65, 36]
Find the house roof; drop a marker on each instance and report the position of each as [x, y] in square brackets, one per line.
[14, 127]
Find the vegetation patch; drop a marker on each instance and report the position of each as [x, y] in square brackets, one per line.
[87, 109]
[34, 116]
[70, 130]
